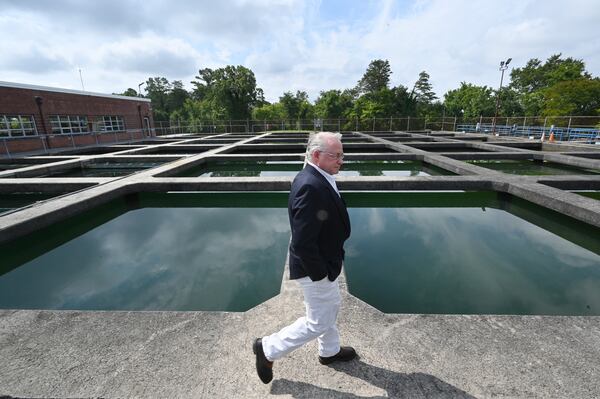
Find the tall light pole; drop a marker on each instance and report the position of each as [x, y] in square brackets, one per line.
[503, 67]
[140, 89]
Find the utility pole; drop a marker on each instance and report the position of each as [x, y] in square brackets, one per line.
[503, 67]
[140, 89]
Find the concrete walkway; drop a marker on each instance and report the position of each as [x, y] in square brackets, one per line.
[65, 354]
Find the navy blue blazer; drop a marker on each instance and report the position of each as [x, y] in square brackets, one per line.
[320, 225]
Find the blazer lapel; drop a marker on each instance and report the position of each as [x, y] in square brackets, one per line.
[337, 199]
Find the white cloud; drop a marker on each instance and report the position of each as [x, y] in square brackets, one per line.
[289, 44]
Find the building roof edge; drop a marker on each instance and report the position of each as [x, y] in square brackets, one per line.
[70, 91]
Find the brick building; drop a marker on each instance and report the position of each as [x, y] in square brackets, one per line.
[37, 118]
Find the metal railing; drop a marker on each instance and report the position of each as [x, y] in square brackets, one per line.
[563, 128]
[581, 128]
[337, 125]
[43, 142]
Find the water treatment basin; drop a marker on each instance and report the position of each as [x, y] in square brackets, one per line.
[18, 163]
[105, 169]
[532, 167]
[470, 253]
[410, 252]
[14, 201]
[152, 252]
[291, 168]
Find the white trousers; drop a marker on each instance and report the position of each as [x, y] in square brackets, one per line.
[322, 301]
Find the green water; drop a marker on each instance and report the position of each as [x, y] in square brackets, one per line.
[202, 256]
[589, 194]
[10, 166]
[9, 202]
[274, 149]
[491, 257]
[531, 168]
[410, 252]
[278, 168]
[434, 148]
[105, 169]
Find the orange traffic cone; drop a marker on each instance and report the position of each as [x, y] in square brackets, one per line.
[551, 137]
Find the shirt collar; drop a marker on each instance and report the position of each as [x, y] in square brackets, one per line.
[325, 174]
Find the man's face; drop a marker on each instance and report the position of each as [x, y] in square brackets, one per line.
[330, 159]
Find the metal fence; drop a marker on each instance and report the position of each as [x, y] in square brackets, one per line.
[562, 128]
[584, 128]
[336, 125]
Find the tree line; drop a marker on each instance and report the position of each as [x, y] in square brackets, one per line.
[558, 86]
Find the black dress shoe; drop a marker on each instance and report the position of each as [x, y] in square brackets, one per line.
[264, 368]
[345, 354]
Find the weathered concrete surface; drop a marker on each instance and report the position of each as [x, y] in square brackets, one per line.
[207, 354]
[62, 354]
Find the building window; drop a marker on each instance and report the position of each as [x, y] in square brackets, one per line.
[67, 124]
[17, 125]
[110, 123]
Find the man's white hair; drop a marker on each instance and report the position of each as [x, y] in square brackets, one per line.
[319, 141]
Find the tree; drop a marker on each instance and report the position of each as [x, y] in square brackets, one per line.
[129, 93]
[535, 75]
[176, 96]
[530, 82]
[232, 88]
[269, 112]
[333, 104]
[573, 97]
[376, 77]
[422, 91]
[509, 102]
[380, 104]
[404, 104]
[473, 100]
[157, 90]
[296, 106]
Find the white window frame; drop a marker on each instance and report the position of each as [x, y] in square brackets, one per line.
[69, 124]
[17, 126]
[110, 123]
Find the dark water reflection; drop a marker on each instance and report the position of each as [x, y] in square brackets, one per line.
[105, 169]
[160, 259]
[410, 252]
[533, 168]
[350, 168]
[469, 260]
[8, 202]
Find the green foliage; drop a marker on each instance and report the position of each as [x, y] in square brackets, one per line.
[531, 81]
[555, 87]
[333, 104]
[510, 104]
[422, 91]
[158, 90]
[535, 75]
[296, 106]
[269, 112]
[177, 96]
[129, 93]
[473, 100]
[376, 77]
[395, 102]
[573, 97]
[422, 94]
[404, 104]
[232, 89]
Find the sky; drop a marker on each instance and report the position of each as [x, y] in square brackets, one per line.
[290, 45]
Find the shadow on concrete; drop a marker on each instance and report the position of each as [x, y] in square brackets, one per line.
[396, 385]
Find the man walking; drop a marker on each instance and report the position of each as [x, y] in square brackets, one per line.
[320, 224]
